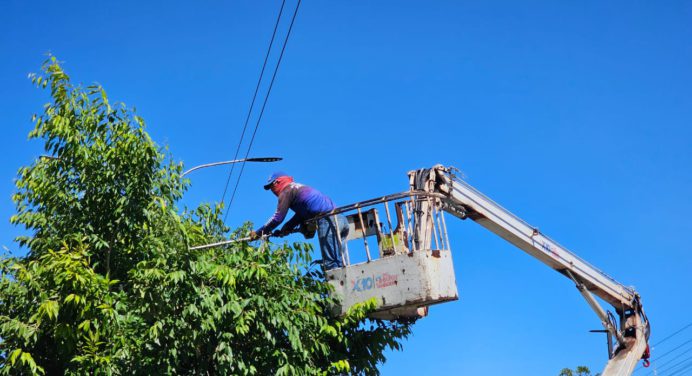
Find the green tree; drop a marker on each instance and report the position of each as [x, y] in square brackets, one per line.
[579, 371]
[109, 286]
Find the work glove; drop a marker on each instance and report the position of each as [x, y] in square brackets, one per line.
[281, 233]
[254, 235]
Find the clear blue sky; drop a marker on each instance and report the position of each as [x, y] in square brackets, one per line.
[577, 116]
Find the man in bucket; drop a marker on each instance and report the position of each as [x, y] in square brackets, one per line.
[306, 202]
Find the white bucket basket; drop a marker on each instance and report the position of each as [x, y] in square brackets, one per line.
[412, 267]
[403, 285]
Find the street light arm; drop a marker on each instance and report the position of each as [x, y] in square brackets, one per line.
[259, 159]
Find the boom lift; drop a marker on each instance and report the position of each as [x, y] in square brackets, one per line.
[414, 269]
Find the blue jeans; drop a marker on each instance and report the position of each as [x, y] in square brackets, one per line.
[329, 243]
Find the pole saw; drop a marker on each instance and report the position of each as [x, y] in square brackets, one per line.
[275, 234]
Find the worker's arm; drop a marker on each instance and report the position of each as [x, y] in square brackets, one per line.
[292, 224]
[281, 209]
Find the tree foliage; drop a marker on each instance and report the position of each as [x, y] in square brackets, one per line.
[579, 371]
[109, 285]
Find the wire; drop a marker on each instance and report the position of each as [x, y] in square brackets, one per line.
[685, 368]
[672, 359]
[264, 104]
[685, 361]
[254, 97]
[667, 338]
[664, 355]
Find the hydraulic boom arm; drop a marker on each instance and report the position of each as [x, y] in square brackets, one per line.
[463, 201]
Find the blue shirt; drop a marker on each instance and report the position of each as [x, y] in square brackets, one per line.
[306, 202]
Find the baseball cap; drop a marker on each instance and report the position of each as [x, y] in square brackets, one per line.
[272, 178]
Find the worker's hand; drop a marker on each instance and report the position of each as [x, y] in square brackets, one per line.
[254, 235]
[281, 233]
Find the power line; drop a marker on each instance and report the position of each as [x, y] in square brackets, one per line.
[686, 363]
[670, 351]
[664, 354]
[264, 104]
[685, 368]
[672, 359]
[669, 368]
[667, 338]
[254, 97]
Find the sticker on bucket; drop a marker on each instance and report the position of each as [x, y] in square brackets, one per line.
[378, 281]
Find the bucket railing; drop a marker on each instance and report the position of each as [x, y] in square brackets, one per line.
[413, 221]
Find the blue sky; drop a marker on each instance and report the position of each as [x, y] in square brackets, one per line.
[576, 116]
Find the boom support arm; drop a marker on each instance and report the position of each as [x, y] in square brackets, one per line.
[464, 201]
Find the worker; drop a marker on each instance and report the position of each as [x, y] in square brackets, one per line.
[306, 202]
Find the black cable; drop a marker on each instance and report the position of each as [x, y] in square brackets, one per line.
[687, 367]
[666, 353]
[663, 355]
[673, 358]
[665, 339]
[254, 96]
[672, 368]
[259, 119]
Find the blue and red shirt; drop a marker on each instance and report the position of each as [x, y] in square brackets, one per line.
[306, 202]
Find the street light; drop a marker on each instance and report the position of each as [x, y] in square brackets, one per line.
[261, 159]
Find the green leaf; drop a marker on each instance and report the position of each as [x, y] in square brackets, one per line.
[14, 354]
[49, 308]
[105, 209]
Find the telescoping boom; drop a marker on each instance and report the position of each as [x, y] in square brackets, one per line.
[413, 269]
[464, 201]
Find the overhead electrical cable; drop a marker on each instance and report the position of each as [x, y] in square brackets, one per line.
[678, 356]
[686, 368]
[673, 350]
[254, 97]
[264, 104]
[655, 361]
[673, 368]
[665, 339]
[672, 335]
